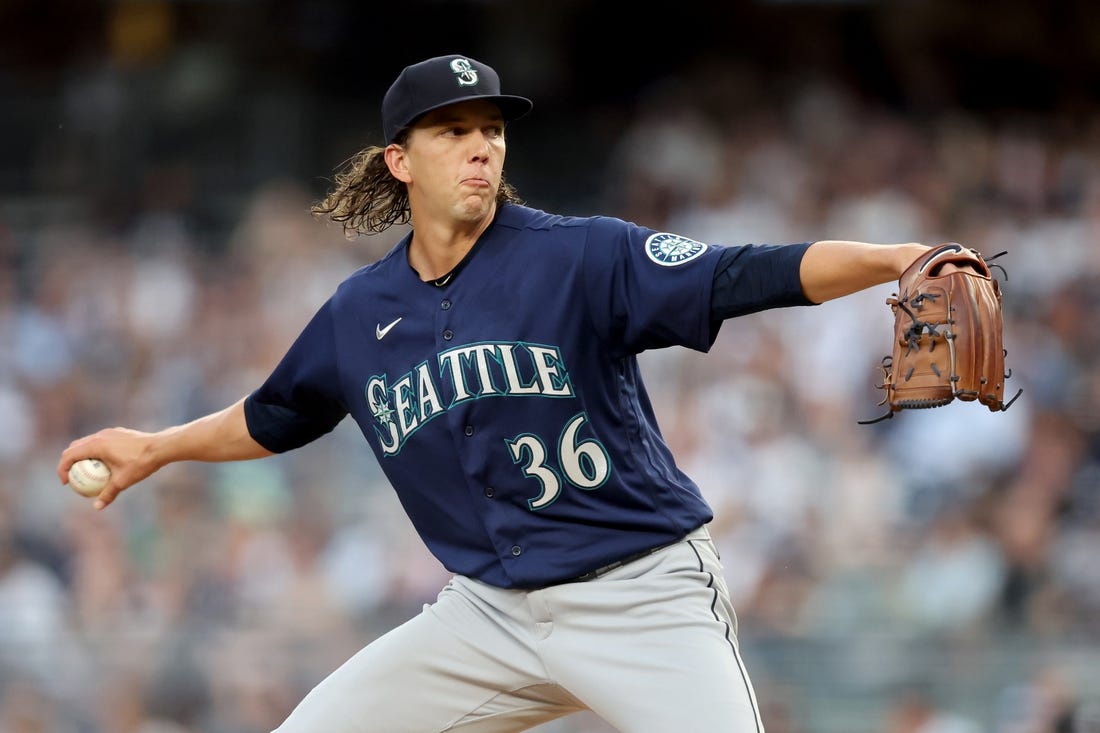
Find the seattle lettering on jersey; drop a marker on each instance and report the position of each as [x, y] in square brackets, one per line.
[469, 372]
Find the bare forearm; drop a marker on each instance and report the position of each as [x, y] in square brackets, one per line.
[133, 455]
[833, 268]
[220, 436]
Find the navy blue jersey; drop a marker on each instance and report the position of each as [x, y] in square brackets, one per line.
[506, 406]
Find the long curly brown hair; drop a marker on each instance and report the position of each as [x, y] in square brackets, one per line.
[368, 200]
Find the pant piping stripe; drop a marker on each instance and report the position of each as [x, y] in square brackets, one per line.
[733, 647]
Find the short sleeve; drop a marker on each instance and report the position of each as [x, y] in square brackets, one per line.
[301, 400]
[647, 289]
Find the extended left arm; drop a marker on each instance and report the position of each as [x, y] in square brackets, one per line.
[831, 268]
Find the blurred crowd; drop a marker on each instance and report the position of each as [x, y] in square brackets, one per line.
[933, 573]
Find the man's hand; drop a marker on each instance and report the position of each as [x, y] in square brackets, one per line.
[128, 453]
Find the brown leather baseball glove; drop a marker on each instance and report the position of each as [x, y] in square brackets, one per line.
[948, 334]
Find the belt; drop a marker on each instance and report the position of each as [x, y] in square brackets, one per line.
[593, 574]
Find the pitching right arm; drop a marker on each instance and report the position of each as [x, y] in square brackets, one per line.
[133, 455]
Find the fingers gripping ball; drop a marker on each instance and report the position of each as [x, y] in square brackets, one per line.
[948, 328]
[89, 476]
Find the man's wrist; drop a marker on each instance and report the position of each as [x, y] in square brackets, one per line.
[907, 254]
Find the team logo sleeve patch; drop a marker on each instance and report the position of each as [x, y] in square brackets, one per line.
[670, 250]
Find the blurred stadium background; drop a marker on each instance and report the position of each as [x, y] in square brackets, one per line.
[937, 573]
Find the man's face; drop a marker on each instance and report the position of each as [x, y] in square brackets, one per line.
[453, 159]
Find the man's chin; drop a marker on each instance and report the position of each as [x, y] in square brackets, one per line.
[474, 208]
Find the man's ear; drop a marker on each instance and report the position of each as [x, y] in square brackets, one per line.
[397, 162]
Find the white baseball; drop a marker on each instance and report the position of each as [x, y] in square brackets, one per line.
[89, 476]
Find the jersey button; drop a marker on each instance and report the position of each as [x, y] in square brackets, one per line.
[489, 491]
[445, 305]
[469, 430]
[448, 335]
[517, 550]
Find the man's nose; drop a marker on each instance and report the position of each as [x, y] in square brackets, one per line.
[480, 143]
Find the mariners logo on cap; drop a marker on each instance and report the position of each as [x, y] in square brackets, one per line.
[669, 250]
[464, 70]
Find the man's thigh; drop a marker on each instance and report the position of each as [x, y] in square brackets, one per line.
[652, 648]
[460, 665]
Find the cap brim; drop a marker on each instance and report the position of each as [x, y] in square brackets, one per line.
[511, 106]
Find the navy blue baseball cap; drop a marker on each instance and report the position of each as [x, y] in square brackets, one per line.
[440, 81]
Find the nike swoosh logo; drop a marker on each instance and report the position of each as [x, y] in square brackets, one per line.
[381, 332]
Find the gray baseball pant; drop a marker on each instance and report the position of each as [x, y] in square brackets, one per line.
[650, 647]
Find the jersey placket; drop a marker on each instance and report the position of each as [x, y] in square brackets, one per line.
[475, 454]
